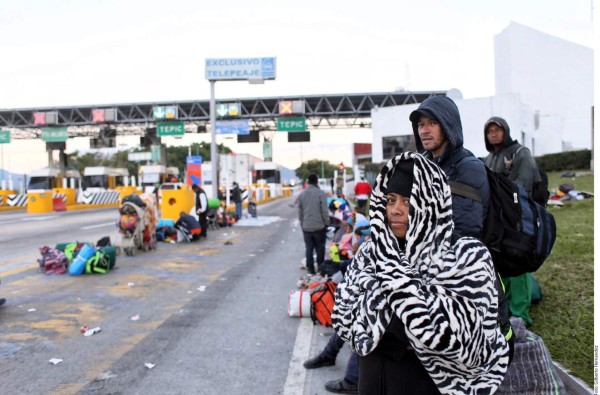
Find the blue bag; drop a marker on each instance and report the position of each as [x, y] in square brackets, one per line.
[77, 267]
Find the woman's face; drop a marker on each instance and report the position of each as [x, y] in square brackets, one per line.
[396, 209]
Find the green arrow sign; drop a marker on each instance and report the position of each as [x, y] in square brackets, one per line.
[53, 135]
[291, 124]
[170, 129]
[222, 110]
[4, 136]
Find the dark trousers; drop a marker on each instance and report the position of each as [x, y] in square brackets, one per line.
[333, 347]
[203, 223]
[382, 375]
[314, 240]
[362, 203]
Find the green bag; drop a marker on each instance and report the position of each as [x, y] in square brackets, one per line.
[102, 261]
[70, 249]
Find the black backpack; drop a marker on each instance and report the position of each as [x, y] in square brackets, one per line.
[518, 231]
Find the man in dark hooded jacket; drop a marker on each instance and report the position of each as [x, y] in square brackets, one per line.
[509, 157]
[439, 137]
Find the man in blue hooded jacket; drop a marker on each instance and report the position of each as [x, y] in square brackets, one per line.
[439, 137]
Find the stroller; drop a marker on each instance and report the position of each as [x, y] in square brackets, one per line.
[133, 229]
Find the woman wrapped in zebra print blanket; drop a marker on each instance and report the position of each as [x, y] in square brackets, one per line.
[419, 308]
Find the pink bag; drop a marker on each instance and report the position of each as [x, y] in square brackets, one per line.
[53, 261]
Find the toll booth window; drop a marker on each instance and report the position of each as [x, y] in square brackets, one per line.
[151, 178]
[40, 183]
[270, 176]
[95, 181]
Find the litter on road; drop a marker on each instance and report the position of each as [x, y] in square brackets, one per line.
[90, 332]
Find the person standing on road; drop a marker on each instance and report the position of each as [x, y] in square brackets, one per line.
[508, 156]
[420, 308]
[201, 209]
[236, 196]
[314, 219]
[362, 190]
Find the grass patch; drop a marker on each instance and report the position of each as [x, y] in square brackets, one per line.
[565, 316]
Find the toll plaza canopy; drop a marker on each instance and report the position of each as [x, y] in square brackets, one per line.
[321, 111]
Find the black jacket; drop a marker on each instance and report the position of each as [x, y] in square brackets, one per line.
[236, 194]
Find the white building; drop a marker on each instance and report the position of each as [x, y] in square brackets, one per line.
[544, 90]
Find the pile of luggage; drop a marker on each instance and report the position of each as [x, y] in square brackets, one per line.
[78, 258]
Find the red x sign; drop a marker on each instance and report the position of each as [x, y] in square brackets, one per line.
[39, 118]
[97, 115]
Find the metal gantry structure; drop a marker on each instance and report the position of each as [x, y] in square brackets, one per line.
[321, 111]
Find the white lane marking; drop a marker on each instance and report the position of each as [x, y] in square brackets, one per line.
[98, 225]
[44, 218]
[296, 377]
[259, 221]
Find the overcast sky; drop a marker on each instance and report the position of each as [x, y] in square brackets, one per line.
[62, 53]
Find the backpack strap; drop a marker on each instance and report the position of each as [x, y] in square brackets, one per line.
[458, 188]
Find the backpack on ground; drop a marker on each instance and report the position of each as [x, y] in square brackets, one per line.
[299, 303]
[102, 261]
[322, 300]
[518, 231]
[52, 261]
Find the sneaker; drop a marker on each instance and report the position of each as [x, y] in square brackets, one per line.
[341, 387]
[319, 361]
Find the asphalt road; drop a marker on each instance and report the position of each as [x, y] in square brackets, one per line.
[212, 314]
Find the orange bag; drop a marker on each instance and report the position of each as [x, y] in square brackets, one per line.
[322, 300]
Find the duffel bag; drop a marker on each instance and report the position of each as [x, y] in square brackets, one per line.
[299, 303]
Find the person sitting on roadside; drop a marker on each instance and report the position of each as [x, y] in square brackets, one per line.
[349, 383]
[189, 226]
[420, 308]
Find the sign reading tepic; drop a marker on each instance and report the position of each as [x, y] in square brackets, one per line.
[53, 135]
[170, 129]
[291, 124]
[240, 69]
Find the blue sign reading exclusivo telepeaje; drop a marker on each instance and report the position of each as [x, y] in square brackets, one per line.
[240, 69]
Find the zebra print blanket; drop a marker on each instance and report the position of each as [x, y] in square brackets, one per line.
[442, 292]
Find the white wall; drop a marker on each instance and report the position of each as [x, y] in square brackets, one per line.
[393, 121]
[552, 76]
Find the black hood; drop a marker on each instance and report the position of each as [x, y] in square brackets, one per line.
[504, 125]
[444, 110]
